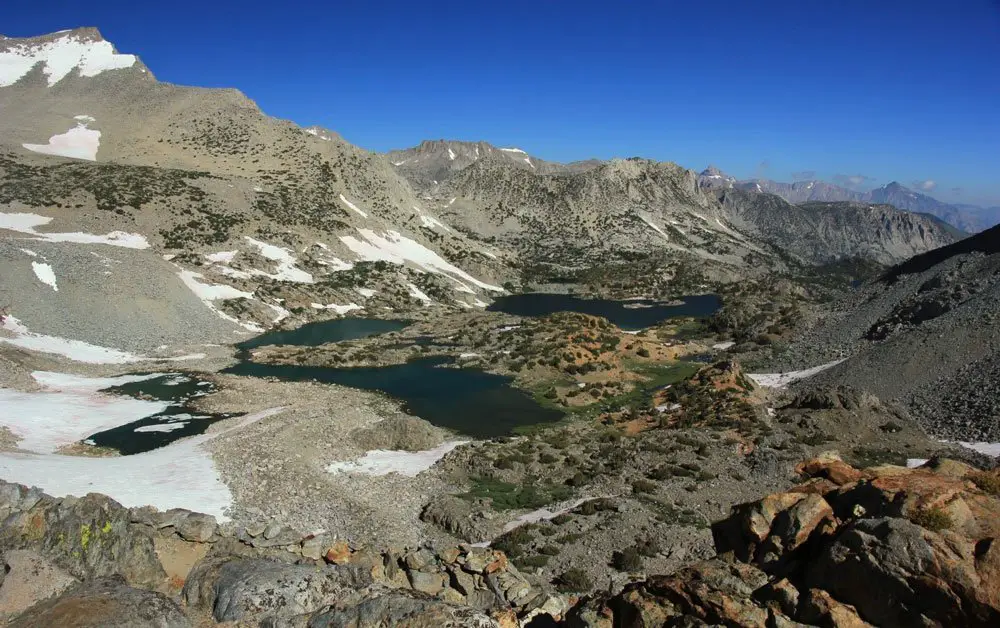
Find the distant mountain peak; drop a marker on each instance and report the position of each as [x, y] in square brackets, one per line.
[713, 178]
[82, 51]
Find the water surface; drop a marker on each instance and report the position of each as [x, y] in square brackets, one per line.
[469, 401]
[628, 315]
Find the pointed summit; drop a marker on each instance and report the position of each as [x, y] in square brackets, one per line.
[712, 178]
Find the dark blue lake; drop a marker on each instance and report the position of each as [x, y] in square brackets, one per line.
[469, 401]
[629, 315]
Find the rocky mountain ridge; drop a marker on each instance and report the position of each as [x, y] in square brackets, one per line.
[968, 218]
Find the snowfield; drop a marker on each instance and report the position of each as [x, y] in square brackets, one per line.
[384, 462]
[77, 143]
[73, 349]
[45, 274]
[782, 380]
[209, 293]
[60, 57]
[181, 475]
[353, 206]
[69, 409]
[287, 270]
[419, 294]
[398, 249]
[26, 223]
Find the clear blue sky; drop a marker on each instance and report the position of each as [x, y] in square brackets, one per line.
[887, 89]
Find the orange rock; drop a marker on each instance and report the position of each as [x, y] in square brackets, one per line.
[820, 608]
[499, 563]
[505, 618]
[837, 471]
[339, 554]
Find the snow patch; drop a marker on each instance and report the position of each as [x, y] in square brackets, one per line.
[222, 257]
[209, 293]
[366, 292]
[654, 227]
[722, 346]
[353, 206]
[69, 409]
[384, 462]
[398, 249]
[287, 270]
[451, 154]
[45, 274]
[77, 143]
[419, 294]
[339, 309]
[26, 223]
[72, 349]
[988, 449]
[60, 57]
[181, 475]
[513, 150]
[782, 380]
[161, 427]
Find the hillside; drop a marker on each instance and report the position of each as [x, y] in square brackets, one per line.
[925, 334]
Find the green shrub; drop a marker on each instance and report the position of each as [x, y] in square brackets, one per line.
[573, 581]
[933, 519]
[643, 486]
[626, 560]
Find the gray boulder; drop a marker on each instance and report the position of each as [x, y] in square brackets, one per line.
[104, 603]
[261, 590]
[401, 608]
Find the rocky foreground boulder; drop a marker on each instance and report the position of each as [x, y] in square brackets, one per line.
[90, 562]
[885, 546]
[847, 547]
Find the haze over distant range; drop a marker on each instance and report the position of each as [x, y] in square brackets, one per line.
[777, 91]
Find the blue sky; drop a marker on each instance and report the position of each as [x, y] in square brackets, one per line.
[887, 90]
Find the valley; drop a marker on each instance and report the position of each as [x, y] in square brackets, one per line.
[263, 376]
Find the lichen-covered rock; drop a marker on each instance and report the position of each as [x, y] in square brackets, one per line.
[402, 608]
[104, 603]
[258, 589]
[89, 537]
[898, 573]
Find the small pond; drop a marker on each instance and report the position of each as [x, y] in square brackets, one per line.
[469, 401]
[628, 315]
[177, 421]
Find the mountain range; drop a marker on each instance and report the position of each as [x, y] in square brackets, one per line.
[968, 218]
[266, 222]
[152, 234]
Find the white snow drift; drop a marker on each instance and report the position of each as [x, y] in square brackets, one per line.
[26, 223]
[209, 293]
[339, 309]
[60, 57]
[69, 409]
[353, 206]
[398, 249]
[782, 380]
[286, 263]
[45, 274]
[384, 462]
[72, 349]
[77, 143]
[181, 475]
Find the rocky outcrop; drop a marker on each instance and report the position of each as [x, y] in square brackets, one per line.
[90, 556]
[884, 546]
[105, 603]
